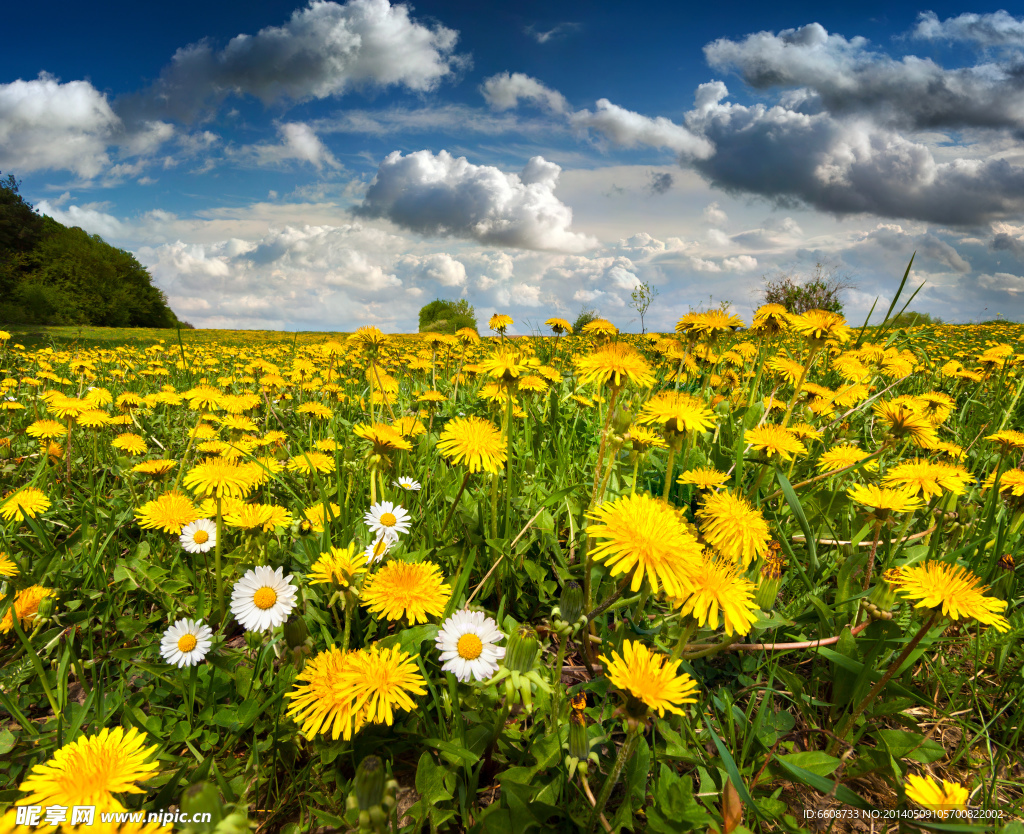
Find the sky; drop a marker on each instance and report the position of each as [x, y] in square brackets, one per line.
[333, 165]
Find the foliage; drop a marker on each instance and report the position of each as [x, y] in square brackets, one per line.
[640, 300]
[821, 290]
[911, 319]
[52, 274]
[586, 316]
[444, 316]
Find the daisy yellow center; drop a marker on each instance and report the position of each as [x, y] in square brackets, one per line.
[186, 643]
[469, 647]
[388, 519]
[200, 537]
[264, 598]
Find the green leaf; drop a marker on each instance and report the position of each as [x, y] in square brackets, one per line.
[431, 781]
[825, 786]
[452, 752]
[814, 761]
[798, 511]
[731, 769]
[409, 639]
[902, 744]
[675, 809]
[7, 741]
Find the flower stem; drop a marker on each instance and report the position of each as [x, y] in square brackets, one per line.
[217, 563]
[625, 754]
[455, 503]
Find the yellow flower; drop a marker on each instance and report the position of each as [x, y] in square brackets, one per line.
[615, 364]
[499, 322]
[154, 467]
[90, 770]
[843, 457]
[169, 512]
[26, 606]
[599, 327]
[315, 515]
[475, 442]
[677, 412]
[714, 322]
[940, 798]
[317, 700]
[770, 319]
[341, 565]
[905, 423]
[886, 500]
[650, 678]
[820, 325]
[644, 439]
[734, 528]
[385, 439]
[559, 326]
[1008, 439]
[8, 567]
[220, 478]
[927, 478]
[130, 443]
[717, 586]
[775, 441]
[645, 536]
[954, 590]
[703, 478]
[403, 589]
[27, 502]
[46, 429]
[309, 462]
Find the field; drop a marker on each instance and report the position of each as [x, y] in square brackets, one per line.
[730, 578]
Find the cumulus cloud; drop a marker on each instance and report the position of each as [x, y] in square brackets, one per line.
[446, 195]
[504, 91]
[92, 218]
[439, 267]
[714, 216]
[325, 49]
[47, 125]
[629, 130]
[998, 29]
[845, 166]
[298, 142]
[845, 77]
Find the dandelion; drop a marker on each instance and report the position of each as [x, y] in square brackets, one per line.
[154, 467]
[466, 642]
[339, 566]
[26, 607]
[942, 798]
[130, 443]
[46, 429]
[186, 643]
[475, 442]
[677, 412]
[737, 530]
[615, 364]
[199, 536]
[928, 479]
[703, 478]
[885, 500]
[27, 502]
[262, 599]
[169, 512]
[646, 537]
[559, 326]
[220, 478]
[650, 678]
[718, 587]
[499, 323]
[843, 457]
[403, 589]
[775, 441]
[310, 462]
[954, 590]
[8, 567]
[318, 703]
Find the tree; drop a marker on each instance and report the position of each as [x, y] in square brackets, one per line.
[444, 316]
[821, 290]
[640, 299]
[585, 317]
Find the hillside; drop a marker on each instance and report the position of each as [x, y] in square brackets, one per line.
[52, 274]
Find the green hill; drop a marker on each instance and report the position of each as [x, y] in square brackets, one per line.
[52, 274]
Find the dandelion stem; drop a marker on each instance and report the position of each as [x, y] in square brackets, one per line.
[217, 563]
[455, 503]
[625, 754]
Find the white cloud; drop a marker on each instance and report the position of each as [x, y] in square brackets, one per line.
[325, 49]
[299, 142]
[504, 92]
[440, 268]
[714, 216]
[446, 195]
[93, 220]
[986, 30]
[629, 130]
[46, 125]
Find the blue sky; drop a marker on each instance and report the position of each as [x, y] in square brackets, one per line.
[330, 165]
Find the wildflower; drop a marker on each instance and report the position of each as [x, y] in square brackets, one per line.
[843, 457]
[130, 443]
[309, 462]
[8, 567]
[958, 592]
[817, 326]
[703, 478]
[46, 429]
[677, 412]
[885, 500]
[774, 441]
[91, 769]
[737, 530]
[467, 645]
[378, 550]
[717, 586]
[645, 536]
[387, 519]
[650, 678]
[186, 643]
[559, 326]
[942, 798]
[599, 327]
[385, 439]
[220, 478]
[315, 515]
[199, 536]
[26, 606]
[27, 502]
[169, 512]
[340, 566]
[317, 701]
[407, 484]
[475, 442]
[712, 323]
[500, 322]
[154, 467]
[262, 599]
[1010, 439]
[402, 589]
[927, 478]
[615, 364]
[905, 424]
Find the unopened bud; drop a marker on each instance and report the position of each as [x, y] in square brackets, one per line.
[571, 603]
[295, 632]
[622, 419]
[369, 783]
[522, 649]
[579, 743]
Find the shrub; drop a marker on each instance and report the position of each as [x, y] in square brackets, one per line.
[820, 291]
[444, 316]
[911, 319]
[585, 317]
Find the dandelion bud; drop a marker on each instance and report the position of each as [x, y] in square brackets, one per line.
[571, 603]
[305, 527]
[368, 785]
[622, 419]
[522, 649]
[579, 744]
[203, 798]
[771, 581]
[295, 632]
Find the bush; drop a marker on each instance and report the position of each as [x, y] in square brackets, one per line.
[584, 318]
[910, 319]
[444, 316]
[820, 291]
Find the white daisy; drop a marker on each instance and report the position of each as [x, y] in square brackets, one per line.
[262, 599]
[376, 551]
[186, 643]
[407, 484]
[387, 519]
[199, 536]
[466, 642]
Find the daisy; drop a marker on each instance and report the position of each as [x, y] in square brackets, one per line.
[262, 599]
[199, 536]
[186, 643]
[466, 642]
[387, 519]
[407, 484]
[377, 551]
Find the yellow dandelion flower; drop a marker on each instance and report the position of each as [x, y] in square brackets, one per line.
[954, 590]
[500, 322]
[309, 462]
[27, 502]
[474, 442]
[168, 512]
[820, 325]
[775, 441]
[703, 478]
[928, 479]
[651, 678]
[677, 412]
[733, 527]
[46, 429]
[130, 443]
[942, 798]
[26, 607]
[615, 364]
[220, 478]
[559, 326]
[718, 587]
[843, 457]
[402, 589]
[340, 566]
[886, 500]
[8, 567]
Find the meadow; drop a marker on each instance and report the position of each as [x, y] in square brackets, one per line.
[746, 576]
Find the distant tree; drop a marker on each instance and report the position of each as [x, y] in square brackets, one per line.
[821, 290]
[585, 317]
[640, 299]
[910, 319]
[445, 316]
[20, 226]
